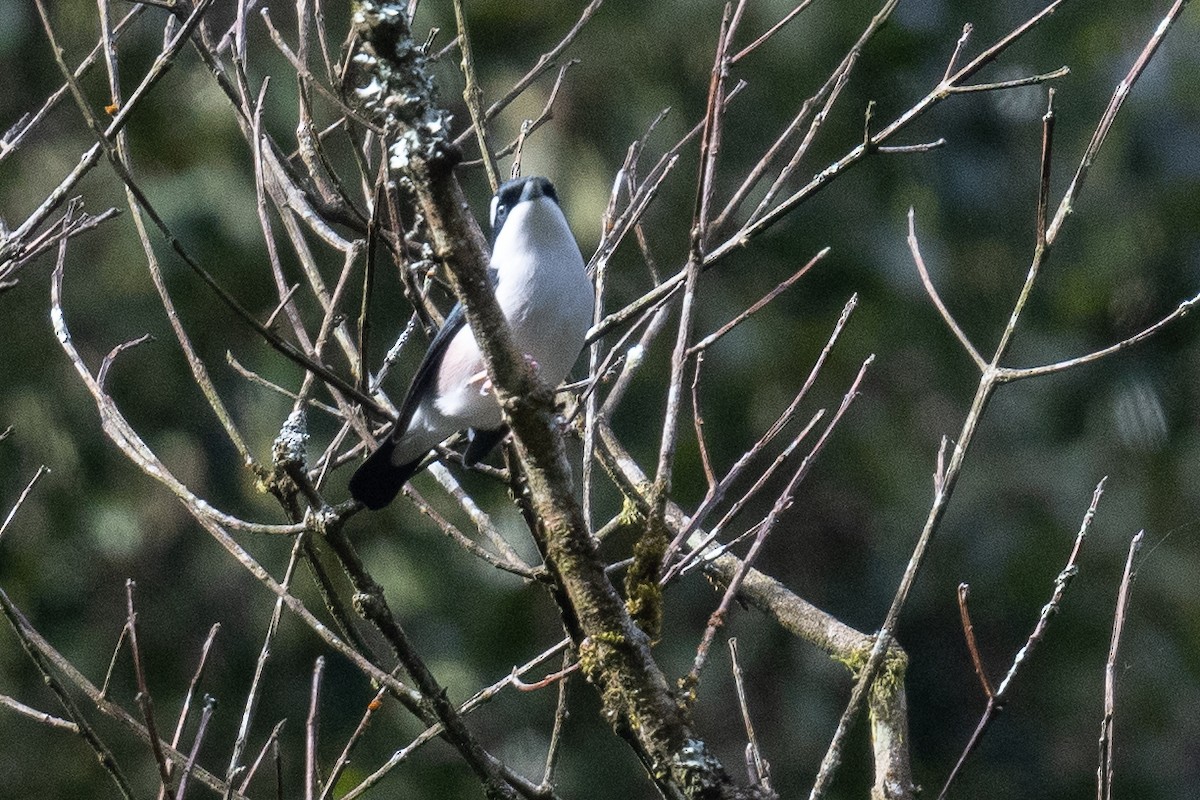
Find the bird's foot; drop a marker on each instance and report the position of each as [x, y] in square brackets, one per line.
[482, 380]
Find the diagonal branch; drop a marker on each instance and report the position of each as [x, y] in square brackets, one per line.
[614, 652]
[932, 291]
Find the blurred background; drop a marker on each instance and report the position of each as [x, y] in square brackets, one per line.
[1128, 256]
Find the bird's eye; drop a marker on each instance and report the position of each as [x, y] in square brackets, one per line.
[498, 215]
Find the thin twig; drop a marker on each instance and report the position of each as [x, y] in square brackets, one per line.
[774, 29]
[714, 497]
[528, 126]
[712, 338]
[28, 638]
[210, 705]
[831, 91]
[343, 760]
[105, 136]
[932, 291]
[254, 377]
[121, 433]
[13, 138]
[996, 698]
[271, 742]
[544, 62]
[371, 604]
[112, 662]
[717, 619]
[473, 96]
[39, 716]
[964, 591]
[958, 48]
[310, 731]
[761, 770]
[191, 692]
[1028, 80]
[703, 551]
[303, 72]
[560, 724]
[1104, 772]
[698, 425]
[1014, 374]
[432, 732]
[709, 150]
[863, 149]
[58, 665]
[254, 692]
[569, 667]
[106, 364]
[1067, 205]
[12, 512]
[1043, 200]
[144, 701]
[14, 242]
[507, 561]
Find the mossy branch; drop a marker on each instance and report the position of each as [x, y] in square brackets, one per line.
[614, 651]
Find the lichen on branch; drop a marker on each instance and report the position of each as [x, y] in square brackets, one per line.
[389, 81]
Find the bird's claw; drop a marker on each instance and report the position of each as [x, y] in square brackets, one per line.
[485, 383]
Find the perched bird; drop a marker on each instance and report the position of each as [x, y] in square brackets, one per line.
[542, 288]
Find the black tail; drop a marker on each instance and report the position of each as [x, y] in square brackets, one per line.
[377, 482]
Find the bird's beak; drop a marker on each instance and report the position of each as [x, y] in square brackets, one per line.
[533, 190]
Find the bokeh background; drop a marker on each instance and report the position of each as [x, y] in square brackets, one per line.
[1128, 256]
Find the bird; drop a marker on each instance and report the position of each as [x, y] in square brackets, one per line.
[542, 287]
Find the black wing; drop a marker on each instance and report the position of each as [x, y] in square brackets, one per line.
[377, 480]
[427, 371]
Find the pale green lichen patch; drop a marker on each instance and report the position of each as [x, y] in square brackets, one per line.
[391, 84]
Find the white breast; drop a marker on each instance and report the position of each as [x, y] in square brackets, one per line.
[546, 296]
[543, 290]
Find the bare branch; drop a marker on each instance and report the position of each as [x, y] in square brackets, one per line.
[143, 696]
[271, 743]
[987, 383]
[344, 759]
[1181, 311]
[187, 704]
[29, 642]
[544, 62]
[432, 732]
[1067, 205]
[997, 698]
[717, 619]
[560, 723]
[210, 705]
[761, 774]
[712, 338]
[964, 591]
[716, 495]
[473, 96]
[931, 290]
[1044, 182]
[825, 176]
[1104, 773]
[39, 716]
[254, 692]
[774, 29]
[311, 778]
[12, 512]
[1031, 80]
